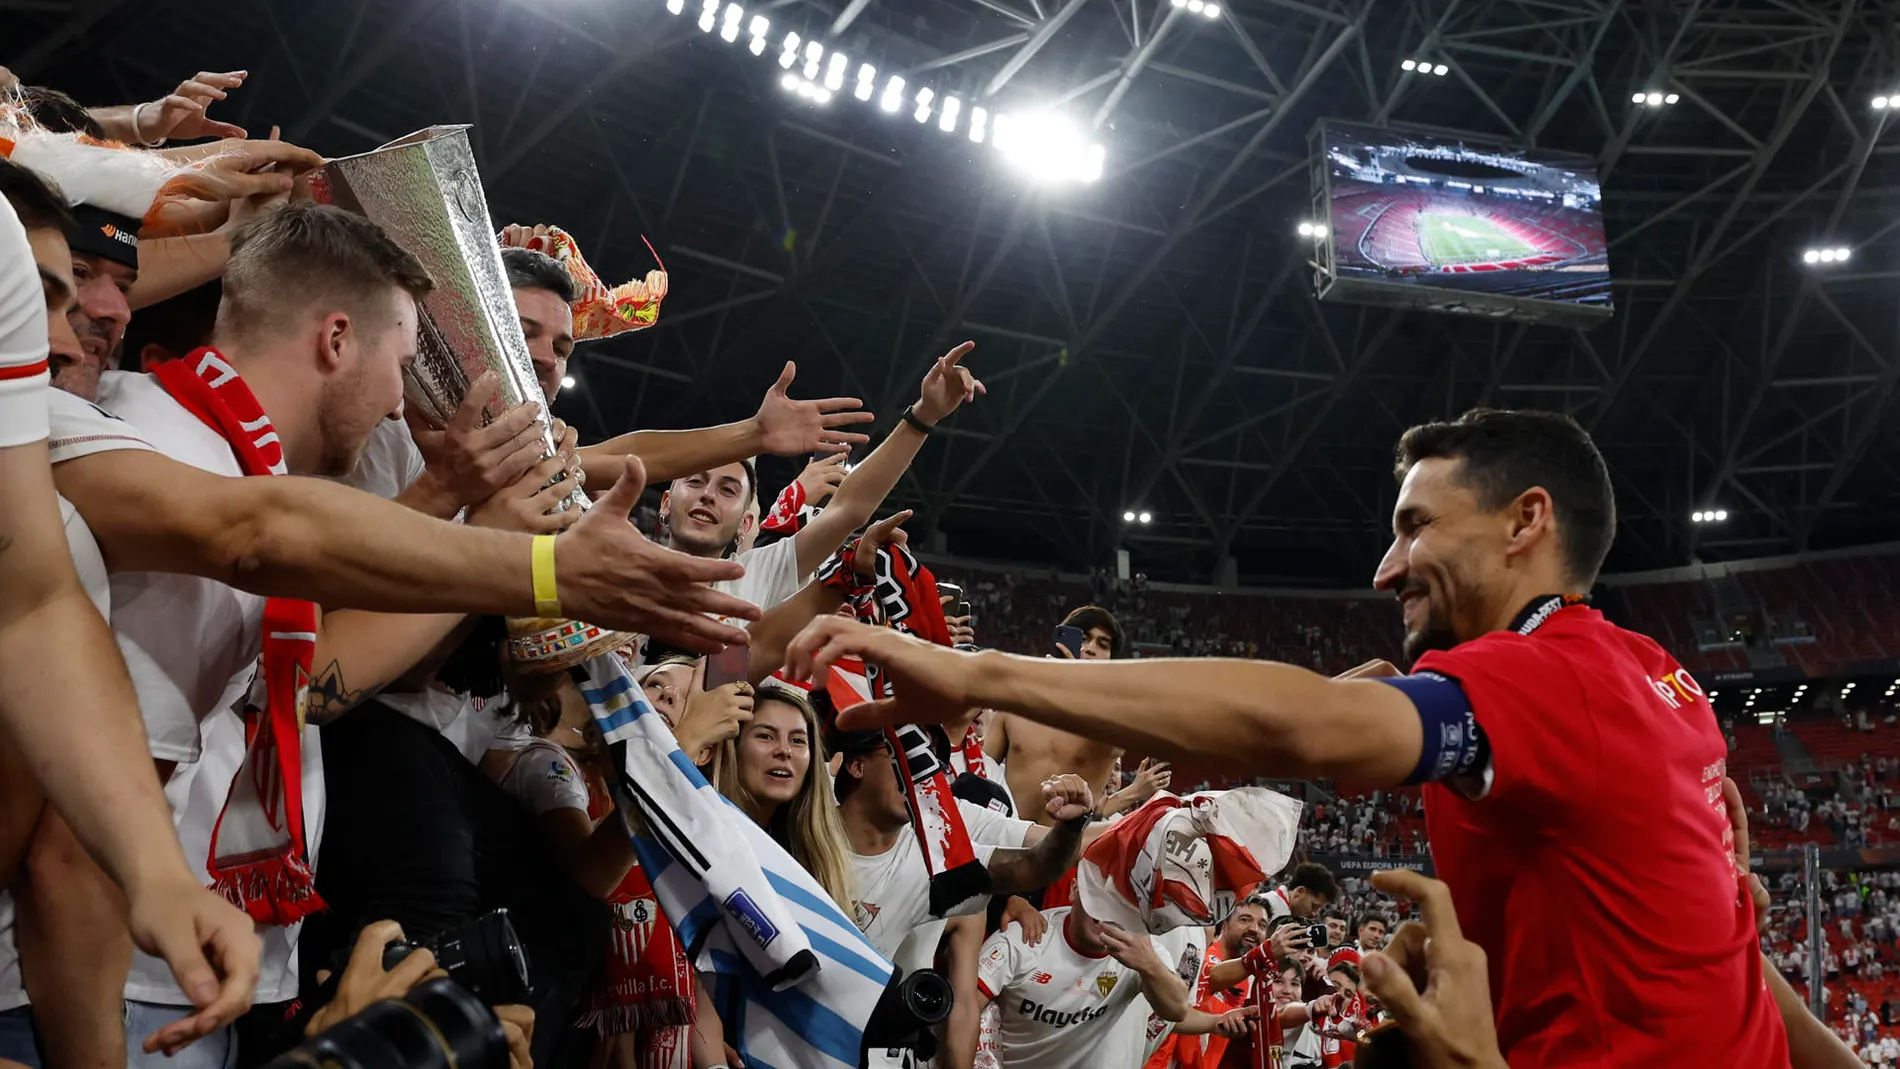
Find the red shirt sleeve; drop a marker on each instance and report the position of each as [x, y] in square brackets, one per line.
[1530, 704]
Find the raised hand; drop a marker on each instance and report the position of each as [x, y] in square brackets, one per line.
[929, 679]
[788, 428]
[1066, 797]
[1237, 1024]
[947, 386]
[211, 946]
[1151, 776]
[1433, 982]
[887, 531]
[611, 575]
[470, 463]
[181, 113]
[1133, 949]
[822, 477]
[1738, 822]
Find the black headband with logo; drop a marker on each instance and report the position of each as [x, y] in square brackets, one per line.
[105, 234]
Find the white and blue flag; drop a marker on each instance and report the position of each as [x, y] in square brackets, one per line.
[792, 978]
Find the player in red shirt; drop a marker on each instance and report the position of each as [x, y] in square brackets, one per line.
[1244, 929]
[1573, 770]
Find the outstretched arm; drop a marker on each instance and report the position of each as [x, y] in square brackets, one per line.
[947, 386]
[340, 547]
[781, 427]
[1271, 719]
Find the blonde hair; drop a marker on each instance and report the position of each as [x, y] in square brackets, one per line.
[808, 826]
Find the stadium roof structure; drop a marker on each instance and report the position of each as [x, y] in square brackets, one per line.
[1149, 338]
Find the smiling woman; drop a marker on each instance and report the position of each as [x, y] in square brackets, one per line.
[767, 772]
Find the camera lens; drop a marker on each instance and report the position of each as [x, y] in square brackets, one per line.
[438, 1025]
[488, 959]
[928, 995]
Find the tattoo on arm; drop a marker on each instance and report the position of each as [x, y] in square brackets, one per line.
[1013, 870]
[331, 697]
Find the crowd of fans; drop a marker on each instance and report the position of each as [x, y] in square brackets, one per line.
[387, 741]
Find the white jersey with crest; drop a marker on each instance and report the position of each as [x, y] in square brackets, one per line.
[1058, 1008]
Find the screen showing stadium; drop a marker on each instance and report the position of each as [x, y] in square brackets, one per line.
[1444, 222]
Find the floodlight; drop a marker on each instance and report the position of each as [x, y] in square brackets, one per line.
[924, 97]
[1306, 230]
[834, 71]
[567, 382]
[1146, 517]
[1696, 516]
[1812, 256]
[1654, 100]
[1129, 517]
[1720, 515]
[1410, 65]
[707, 21]
[1671, 98]
[1880, 103]
[760, 24]
[1048, 147]
[1195, 6]
[757, 47]
[677, 6]
[814, 50]
[729, 31]
[1440, 70]
[1841, 254]
[821, 94]
[1092, 161]
[893, 94]
[979, 119]
[951, 106]
[1211, 11]
[1636, 98]
[789, 83]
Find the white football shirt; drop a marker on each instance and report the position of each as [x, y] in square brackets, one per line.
[23, 371]
[894, 887]
[191, 646]
[1057, 1007]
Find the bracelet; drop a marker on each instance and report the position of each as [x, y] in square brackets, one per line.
[910, 417]
[547, 594]
[138, 110]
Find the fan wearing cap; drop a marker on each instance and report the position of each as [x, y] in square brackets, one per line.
[105, 248]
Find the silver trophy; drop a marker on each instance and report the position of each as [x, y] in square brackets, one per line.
[424, 190]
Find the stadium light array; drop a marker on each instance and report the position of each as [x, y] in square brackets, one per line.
[1312, 230]
[1882, 103]
[1654, 98]
[1044, 146]
[1709, 516]
[1144, 516]
[1424, 66]
[1835, 255]
[1198, 7]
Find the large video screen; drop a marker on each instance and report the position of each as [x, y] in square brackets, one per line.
[1496, 231]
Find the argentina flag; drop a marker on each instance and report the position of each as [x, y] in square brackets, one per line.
[791, 977]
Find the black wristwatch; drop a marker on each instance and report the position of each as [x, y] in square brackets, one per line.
[910, 417]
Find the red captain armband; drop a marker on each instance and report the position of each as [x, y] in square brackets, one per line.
[1259, 964]
[1455, 746]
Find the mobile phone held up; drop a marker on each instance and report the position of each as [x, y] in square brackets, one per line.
[726, 666]
[1071, 638]
[959, 605]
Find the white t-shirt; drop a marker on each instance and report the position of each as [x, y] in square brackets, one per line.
[771, 576]
[1141, 1029]
[23, 372]
[191, 646]
[92, 577]
[390, 464]
[544, 778]
[894, 886]
[1058, 1008]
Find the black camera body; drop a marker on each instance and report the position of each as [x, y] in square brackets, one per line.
[486, 958]
[912, 1004]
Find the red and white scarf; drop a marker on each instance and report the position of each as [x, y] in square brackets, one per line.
[258, 859]
[904, 597]
[788, 513]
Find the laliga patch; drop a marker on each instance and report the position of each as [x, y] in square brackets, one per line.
[751, 918]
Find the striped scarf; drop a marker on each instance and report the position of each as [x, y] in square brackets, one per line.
[790, 976]
[258, 859]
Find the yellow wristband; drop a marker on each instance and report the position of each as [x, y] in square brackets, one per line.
[547, 593]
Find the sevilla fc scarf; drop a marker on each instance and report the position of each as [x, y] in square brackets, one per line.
[258, 859]
[788, 513]
[904, 597]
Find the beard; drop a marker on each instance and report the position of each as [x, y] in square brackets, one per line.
[698, 546]
[1439, 632]
[347, 416]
